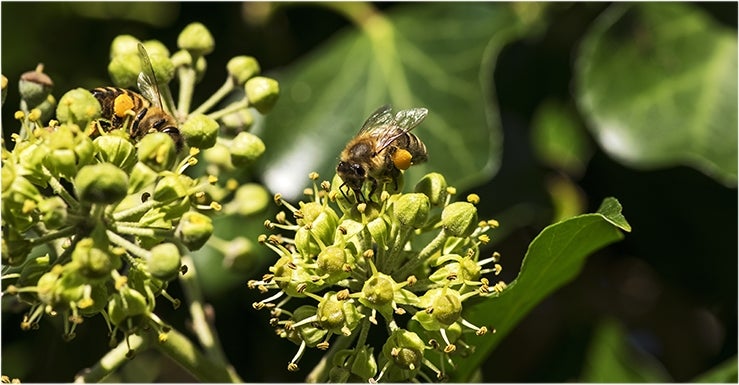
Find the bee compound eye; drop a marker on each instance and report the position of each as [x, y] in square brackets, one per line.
[358, 169]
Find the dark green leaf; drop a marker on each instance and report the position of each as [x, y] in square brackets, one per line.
[559, 139]
[439, 56]
[723, 373]
[657, 81]
[554, 258]
[611, 359]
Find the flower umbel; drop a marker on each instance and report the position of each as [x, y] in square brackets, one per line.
[405, 264]
[98, 214]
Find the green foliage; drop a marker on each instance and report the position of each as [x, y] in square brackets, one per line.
[553, 259]
[654, 84]
[658, 84]
[611, 359]
[440, 56]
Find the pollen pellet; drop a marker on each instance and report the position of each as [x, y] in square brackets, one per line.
[122, 104]
[402, 159]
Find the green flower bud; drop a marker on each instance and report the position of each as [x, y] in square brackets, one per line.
[53, 212]
[173, 190]
[200, 131]
[308, 333]
[94, 261]
[332, 261]
[101, 183]
[47, 108]
[238, 121]
[142, 176]
[158, 151]
[164, 261]
[443, 308]
[219, 156]
[31, 158]
[155, 47]
[250, 198]
[32, 271]
[459, 219]
[305, 243]
[378, 291]
[35, 86]
[411, 209]
[124, 69]
[239, 255]
[124, 45]
[433, 185]
[79, 107]
[194, 230]
[181, 58]
[116, 150]
[262, 93]
[242, 68]
[126, 304]
[245, 149]
[404, 349]
[67, 150]
[70, 287]
[379, 230]
[196, 39]
[163, 67]
[47, 285]
[322, 222]
[336, 315]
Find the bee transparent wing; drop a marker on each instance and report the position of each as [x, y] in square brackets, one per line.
[147, 81]
[382, 117]
[403, 122]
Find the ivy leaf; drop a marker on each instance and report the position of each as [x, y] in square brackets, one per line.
[725, 372]
[611, 358]
[439, 56]
[657, 83]
[554, 258]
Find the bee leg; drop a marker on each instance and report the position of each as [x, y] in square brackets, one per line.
[373, 188]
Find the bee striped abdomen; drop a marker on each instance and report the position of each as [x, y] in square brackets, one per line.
[415, 146]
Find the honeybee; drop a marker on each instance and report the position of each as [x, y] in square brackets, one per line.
[381, 149]
[141, 114]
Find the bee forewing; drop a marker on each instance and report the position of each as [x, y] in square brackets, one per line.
[407, 120]
[147, 81]
[381, 117]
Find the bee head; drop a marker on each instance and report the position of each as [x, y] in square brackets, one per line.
[353, 174]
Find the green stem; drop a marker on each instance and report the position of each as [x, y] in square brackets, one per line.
[202, 326]
[62, 192]
[62, 233]
[186, 354]
[130, 247]
[133, 211]
[225, 89]
[233, 107]
[116, 357]
[435, 244]
[186, 75]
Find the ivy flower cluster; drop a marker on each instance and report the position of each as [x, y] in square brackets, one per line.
[405, 263]
[97, 221]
